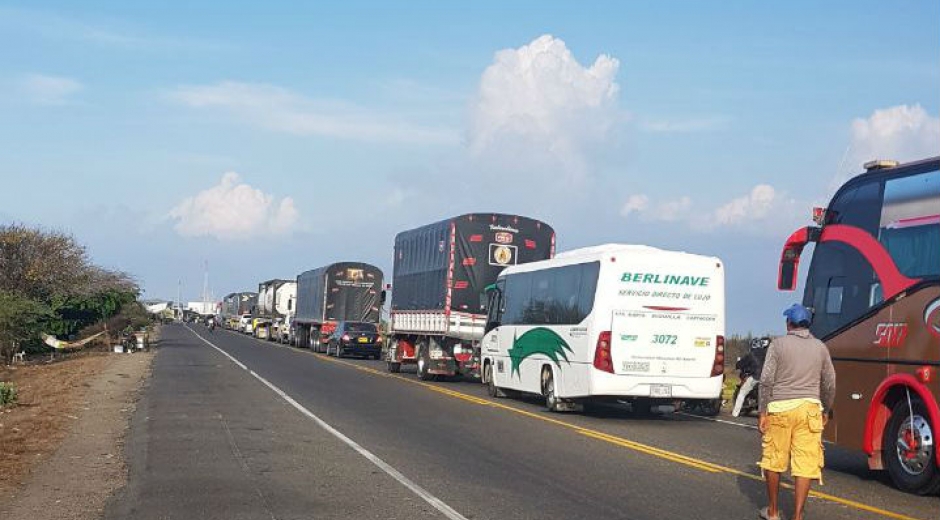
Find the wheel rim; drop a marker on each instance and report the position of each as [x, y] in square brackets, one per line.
[915, 445]
[421, 364]
[548, 384]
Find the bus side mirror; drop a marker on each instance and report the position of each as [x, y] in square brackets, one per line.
[787, 278]
[484, 301]
[382, 296]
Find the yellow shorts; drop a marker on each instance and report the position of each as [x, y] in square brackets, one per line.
[794, 437]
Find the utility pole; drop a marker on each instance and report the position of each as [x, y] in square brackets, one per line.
[179, 301]
[205, 287]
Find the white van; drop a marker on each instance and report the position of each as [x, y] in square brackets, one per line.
[612, 322]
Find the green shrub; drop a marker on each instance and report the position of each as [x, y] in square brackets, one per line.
[7, 393]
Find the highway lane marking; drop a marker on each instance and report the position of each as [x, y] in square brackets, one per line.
[619, 441]
[685, 460]
[424, 494]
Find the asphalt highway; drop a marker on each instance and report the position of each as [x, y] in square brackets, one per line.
[233, 427]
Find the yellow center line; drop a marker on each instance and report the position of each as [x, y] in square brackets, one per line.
[639, 447]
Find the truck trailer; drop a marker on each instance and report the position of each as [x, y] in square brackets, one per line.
[344, 291]
[275, 303]
[237, 305]
[440, 272]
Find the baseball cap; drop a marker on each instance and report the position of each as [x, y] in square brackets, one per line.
[797, 314]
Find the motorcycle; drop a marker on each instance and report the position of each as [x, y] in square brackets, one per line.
[751, 400]
[746, 370]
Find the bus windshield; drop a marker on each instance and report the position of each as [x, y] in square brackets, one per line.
[910, 223]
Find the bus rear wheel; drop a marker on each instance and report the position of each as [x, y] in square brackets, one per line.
[490, 380]
[909, 449]
[548, 390]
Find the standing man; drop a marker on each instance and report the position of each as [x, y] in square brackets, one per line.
[797, 388]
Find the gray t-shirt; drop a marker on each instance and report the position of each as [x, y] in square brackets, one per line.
[797, 366]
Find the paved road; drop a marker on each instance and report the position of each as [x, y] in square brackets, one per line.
[213, 440]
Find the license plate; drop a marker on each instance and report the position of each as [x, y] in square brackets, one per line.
[660, 391]
[363, 339]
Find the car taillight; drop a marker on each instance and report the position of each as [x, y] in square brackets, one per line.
[602, 360]
[345, 338]
[718, 367]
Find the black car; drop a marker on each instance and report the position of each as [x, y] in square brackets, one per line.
[354, 339]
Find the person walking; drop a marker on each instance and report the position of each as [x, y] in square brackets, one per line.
[797, 388]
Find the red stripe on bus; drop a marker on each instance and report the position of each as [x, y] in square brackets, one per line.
[893, 282]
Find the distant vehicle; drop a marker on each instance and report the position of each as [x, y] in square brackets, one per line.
[440, 271]
[344, 291]
[234, 306]
[275, 301]
[874, 286]
[354, 339]
[608, 323]
[244, 324]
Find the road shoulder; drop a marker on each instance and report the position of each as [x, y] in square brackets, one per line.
[77, 479]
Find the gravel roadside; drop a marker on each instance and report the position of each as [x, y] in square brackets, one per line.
[77, 479]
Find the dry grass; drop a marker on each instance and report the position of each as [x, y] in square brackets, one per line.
[49, 397]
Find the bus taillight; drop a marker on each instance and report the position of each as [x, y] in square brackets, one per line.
[718, 368]
[602, 360]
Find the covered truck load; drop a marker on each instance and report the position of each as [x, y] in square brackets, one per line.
[275, 297]
[440, 271]
[344, 291]
[235, 305]
[275, 302]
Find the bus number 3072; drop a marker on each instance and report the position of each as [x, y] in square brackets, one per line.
[664, 339]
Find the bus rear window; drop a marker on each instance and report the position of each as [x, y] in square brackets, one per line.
[910, 224]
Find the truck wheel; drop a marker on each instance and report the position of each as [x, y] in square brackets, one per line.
[315, 343]
[491, 388]
[394, 367]
[548, 390]
[909, 449]
[710, 407]
[424, 361]
[642, 406]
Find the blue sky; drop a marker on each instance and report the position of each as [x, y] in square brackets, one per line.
[710, 128]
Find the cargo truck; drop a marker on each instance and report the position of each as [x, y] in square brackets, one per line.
[344, 291]
[235, 306]
[440, 271]
[275, 302]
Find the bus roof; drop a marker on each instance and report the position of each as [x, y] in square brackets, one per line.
[601, 252]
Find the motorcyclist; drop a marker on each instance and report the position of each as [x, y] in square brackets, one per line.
[211, 324]
[749, 369]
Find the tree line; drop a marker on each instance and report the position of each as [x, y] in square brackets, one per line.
[49, 284]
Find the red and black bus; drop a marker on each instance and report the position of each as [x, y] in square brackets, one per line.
[874, 288]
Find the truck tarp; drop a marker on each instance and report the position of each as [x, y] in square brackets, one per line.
[344, 291]
[446, 265]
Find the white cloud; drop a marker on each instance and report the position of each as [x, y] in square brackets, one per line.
[703, 124]
[762, 209]
[279, 109]
[48, 90]
[665, 211]
[537, 104]
[903, 133]
[635, 204]
[233, 210]
[754, 206]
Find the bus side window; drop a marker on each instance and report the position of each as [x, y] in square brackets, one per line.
[834, 295]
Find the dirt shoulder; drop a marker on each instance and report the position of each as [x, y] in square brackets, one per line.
[61, 447]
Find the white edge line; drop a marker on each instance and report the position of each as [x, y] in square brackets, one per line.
[425, 495]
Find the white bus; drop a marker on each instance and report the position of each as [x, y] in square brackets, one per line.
[612, 322]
